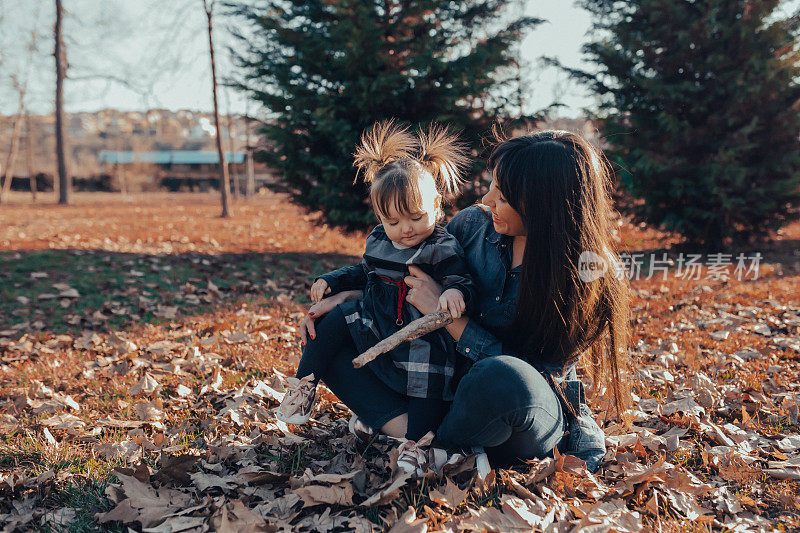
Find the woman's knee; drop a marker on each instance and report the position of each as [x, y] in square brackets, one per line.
[505, 381]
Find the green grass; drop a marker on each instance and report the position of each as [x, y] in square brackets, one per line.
[87, 498]
[113, 284]
[83, 491]
[293, 461]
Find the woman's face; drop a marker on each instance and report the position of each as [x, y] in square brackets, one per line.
[505, 219]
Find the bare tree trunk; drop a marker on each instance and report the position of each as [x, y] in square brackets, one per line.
[119, 170]
[12, 154]
[229, 121]
[224, 178]
[20, 82]
[251, 175]
[234, 175]
[32, 182]
[250, 187]
[64, 185]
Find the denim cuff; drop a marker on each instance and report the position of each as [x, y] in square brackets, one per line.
[473, 341]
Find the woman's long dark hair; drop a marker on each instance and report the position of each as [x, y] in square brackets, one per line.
[560, 186]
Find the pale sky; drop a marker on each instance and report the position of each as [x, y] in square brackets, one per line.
[159, 47]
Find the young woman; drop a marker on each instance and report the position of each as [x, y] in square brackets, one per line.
[535, 318]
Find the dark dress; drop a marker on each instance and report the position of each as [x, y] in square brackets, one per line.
[424, 367]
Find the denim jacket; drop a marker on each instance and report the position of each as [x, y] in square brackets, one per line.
[488, 256]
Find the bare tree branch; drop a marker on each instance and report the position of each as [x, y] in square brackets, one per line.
[416, 329]
[20, 84]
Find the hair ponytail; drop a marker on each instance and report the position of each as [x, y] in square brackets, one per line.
[382, 144]
[443, 156]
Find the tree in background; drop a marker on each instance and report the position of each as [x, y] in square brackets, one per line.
[699, 103]
[19, 80]
[224, 177]
[64, 181]
[326, 70]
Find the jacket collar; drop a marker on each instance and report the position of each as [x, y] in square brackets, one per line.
[491, 235]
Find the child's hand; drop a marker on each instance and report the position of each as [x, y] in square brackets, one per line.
[319, 289]
[452, 301]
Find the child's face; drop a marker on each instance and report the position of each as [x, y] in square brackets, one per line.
[409, 229]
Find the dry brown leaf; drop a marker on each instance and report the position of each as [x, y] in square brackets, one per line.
[127, 450]
[491, 519]
[537, 513]
[409, 523]
[149, 411]
[338, 494]
[235, 517]
[8, 423]
[123, 512]
[146, 385]
[145, 504]
[613, 515]
[687, 505]
[452, 495]
[176, 470]
[64, 421]
[204, 481]
[388, 493]
[176, 524]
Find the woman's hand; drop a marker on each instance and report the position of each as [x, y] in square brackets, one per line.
[321, 308]
[423, 291]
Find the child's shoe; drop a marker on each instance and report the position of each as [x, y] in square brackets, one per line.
[362, 431]
[440, 459]
[298, 402]
[413, 456]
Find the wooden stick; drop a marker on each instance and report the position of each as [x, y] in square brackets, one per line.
[414, 330]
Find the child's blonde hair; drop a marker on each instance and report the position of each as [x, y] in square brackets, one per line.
[399, 166]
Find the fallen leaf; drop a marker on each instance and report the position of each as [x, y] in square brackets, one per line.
[388, 493]
[451, 497]
[338, 494]
[409, 523]
[146, 385]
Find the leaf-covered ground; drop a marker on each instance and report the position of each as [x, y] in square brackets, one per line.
[143, 344]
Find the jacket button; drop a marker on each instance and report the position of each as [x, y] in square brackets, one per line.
[498, 298]
[466, 350]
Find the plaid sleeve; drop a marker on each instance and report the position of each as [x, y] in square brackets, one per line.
[449, 267]
[452, 273]
[348, 278]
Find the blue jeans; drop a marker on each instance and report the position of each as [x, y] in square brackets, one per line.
[502, 404]
[506, 406]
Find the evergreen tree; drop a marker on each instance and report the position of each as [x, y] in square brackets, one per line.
[328, 69]
[699, 102]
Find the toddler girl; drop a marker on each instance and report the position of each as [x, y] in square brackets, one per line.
[407, 175]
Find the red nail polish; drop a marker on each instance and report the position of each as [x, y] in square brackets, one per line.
[313, 337]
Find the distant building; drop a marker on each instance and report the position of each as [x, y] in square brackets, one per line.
[180, 169]
[168, 158]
